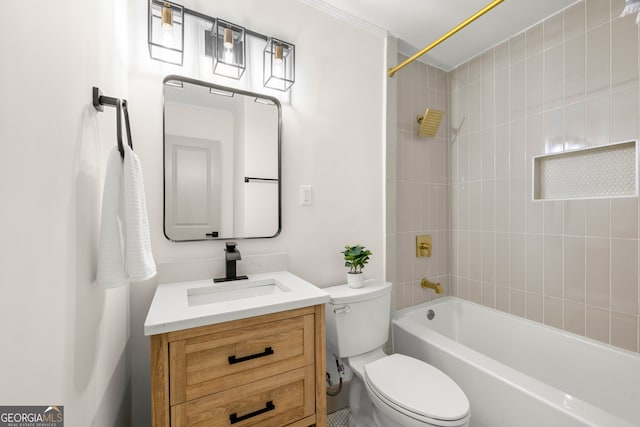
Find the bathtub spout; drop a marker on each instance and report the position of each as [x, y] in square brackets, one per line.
[426, 284]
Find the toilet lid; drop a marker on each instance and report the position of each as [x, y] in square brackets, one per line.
[417, 387]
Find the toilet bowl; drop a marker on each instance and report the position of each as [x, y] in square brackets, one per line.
[387, 390]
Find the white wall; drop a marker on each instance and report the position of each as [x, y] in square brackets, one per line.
[331, 135]
[333, 122]
[64, 340]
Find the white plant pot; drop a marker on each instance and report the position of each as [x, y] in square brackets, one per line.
[355, 280]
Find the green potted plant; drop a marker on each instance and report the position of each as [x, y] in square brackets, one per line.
[355, 258]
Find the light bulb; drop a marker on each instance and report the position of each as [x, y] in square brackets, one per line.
[228, 38]
[278, 54]
[227, 43]
[167, 17]
[228, 56]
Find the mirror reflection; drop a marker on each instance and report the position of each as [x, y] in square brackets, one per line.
[221, 162]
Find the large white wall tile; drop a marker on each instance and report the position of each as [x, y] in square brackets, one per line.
[553, 76]
[534, 39]
[624, 115]
[534, 83]
[598, 60]
[534, 263]
[597, 122]
[598, 12]
[574, 268]
[624, 276]
[575, 74]
[574, 20]
[553, 266]
[598, 289]
[553, 30]
[624, 52]
[517, 46]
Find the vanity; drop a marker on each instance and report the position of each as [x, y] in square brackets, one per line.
[247, 352]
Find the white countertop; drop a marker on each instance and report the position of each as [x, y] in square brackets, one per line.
[170, 309]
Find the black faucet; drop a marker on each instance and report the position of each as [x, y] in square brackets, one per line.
[231, 256]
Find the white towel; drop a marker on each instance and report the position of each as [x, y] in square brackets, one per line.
[140, 263]
[124, 251]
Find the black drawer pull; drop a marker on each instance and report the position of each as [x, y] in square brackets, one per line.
[234, 418]
[233, 359]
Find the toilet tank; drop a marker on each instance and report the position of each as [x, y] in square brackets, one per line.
[358, 318]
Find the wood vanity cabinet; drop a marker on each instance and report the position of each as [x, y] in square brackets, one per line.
[260, 371]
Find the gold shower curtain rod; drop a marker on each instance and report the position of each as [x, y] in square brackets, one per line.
[460, 26]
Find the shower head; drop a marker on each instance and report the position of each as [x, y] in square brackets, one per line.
[632, 6]
[430, 122]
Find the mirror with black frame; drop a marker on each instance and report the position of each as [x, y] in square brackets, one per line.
[221, 162]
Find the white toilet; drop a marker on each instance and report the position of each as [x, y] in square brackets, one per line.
[386, 391]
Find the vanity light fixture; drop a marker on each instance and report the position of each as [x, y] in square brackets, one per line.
[166, 31]
[225, 43]
[278, 64]
[229, 42]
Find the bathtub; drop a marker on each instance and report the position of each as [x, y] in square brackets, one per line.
[519, 373]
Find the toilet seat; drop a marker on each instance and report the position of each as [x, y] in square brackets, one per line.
[417, 390]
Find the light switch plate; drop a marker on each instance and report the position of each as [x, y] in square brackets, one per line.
[305, 195]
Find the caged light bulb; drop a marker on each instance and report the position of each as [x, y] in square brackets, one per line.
[278, 54]
[167, 17]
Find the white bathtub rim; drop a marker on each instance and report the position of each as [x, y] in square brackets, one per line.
[622, 351]
[583, 411]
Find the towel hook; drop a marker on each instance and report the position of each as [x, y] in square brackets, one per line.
[99, 101]
[126, 122]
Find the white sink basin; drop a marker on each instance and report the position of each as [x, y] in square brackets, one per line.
[185, 305]
[230, 291]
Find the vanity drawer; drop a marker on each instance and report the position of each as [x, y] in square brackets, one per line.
[211, 363]
[275, 401]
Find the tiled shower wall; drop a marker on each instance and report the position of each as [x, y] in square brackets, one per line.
[421, 184]
[568, 82]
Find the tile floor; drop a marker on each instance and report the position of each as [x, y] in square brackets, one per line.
[339, 418]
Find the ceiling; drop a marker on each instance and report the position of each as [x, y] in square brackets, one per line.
[417, 23]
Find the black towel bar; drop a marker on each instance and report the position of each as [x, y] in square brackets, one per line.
[99, 101]
[254, 179]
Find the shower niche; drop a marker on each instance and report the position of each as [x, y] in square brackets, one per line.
[595, 172]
